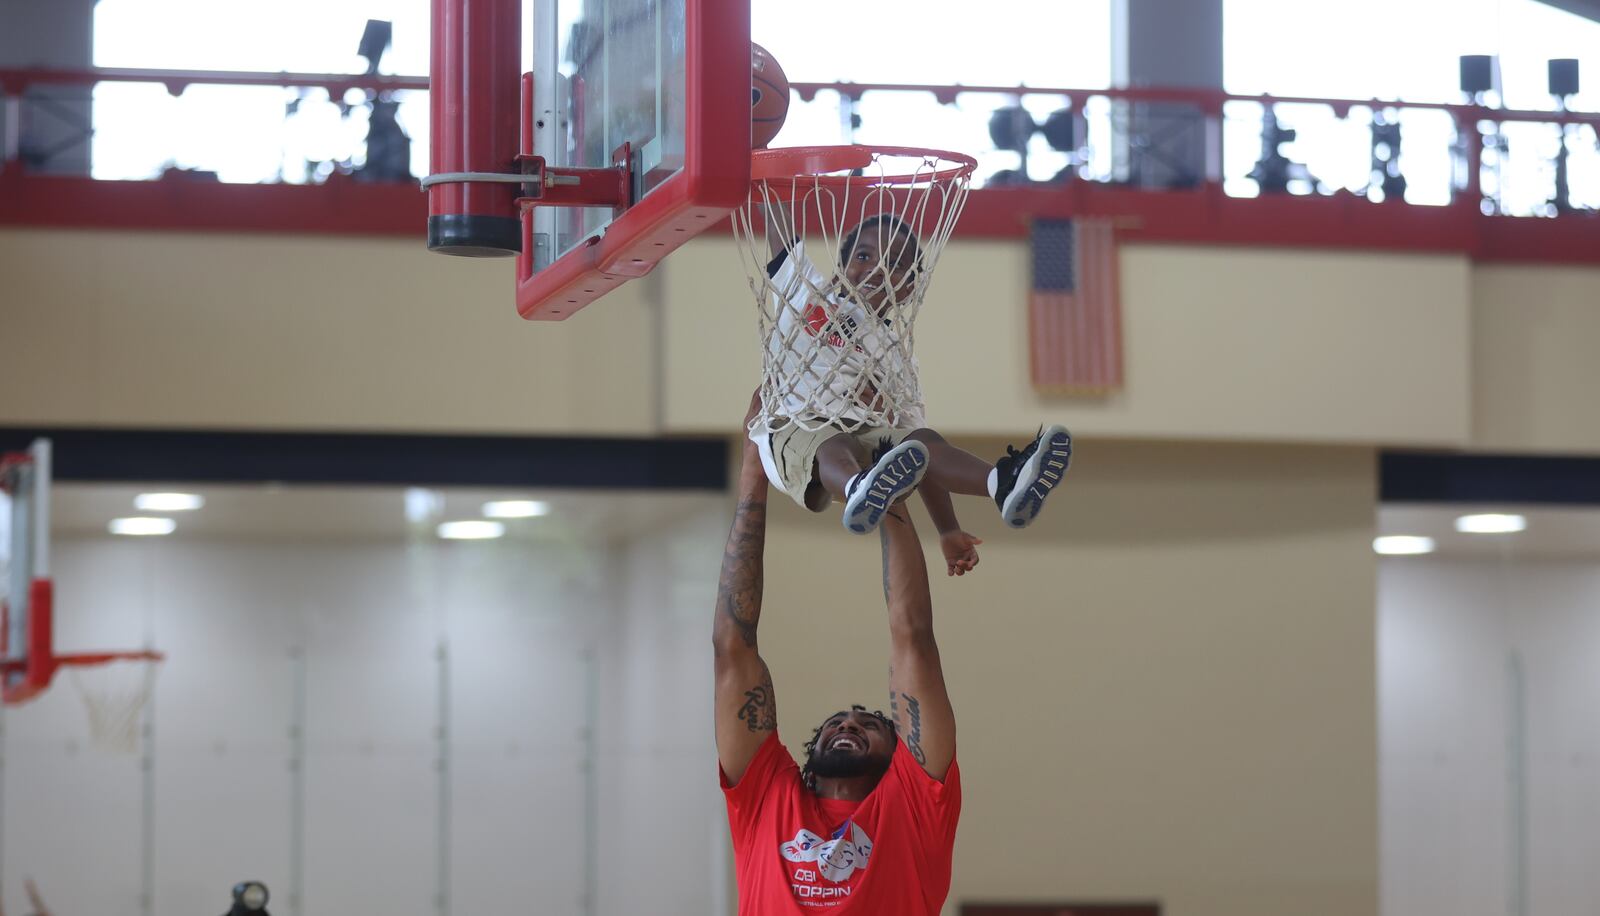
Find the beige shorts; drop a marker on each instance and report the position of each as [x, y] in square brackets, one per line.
[789, 455]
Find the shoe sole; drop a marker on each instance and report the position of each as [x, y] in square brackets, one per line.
[1042, 473]
[897, 473]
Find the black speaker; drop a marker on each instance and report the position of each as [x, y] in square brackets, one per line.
[1564, 77]
[1011, 128]
[374, 41]
[1061, 130]
[1477, 73]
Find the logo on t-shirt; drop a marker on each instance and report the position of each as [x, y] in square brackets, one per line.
[817, 320]
[836, 859]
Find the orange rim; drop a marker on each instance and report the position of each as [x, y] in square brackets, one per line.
[812, 163]
[82, 659]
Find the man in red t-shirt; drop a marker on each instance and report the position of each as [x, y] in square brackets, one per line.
[867, 825]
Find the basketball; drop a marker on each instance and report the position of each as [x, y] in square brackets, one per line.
[769, 96]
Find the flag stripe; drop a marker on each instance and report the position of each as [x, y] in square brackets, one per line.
[1074, 314]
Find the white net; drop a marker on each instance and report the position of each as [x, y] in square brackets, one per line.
[840, 244]
[115, 695]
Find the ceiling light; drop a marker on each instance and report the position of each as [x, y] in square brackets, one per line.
[1490, 523]
[168, 502]
[422, 504]
[471, 530]
[1398, 545]
[516, 508]
[142, 526]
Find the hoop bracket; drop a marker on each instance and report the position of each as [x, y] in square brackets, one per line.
[22, 680]
[550, 186]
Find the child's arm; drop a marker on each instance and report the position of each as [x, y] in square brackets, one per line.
[776, 216]
[960, 548]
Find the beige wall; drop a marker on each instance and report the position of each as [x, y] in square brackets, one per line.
[1221, 344]
[193, 330]
[1165, 688]
[1537, 376]
[119, 329]
[274, 332]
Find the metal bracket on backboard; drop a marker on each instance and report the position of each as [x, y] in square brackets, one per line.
[554, 186]
[551, 186]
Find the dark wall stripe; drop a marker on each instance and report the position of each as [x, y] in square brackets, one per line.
[235, 457]
[1422, 477]
[656, 464]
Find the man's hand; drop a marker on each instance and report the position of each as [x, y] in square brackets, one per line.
[960, 552]
[34, 900]
[755, 408]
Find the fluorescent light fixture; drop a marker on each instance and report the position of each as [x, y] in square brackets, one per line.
[471, 530]
[516, 508]
[168, 502]
[1400, 545]
[422, 504]
[1490, 523]
[142, 527]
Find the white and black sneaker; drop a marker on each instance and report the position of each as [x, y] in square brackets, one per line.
[870, 493]
[1025, 478]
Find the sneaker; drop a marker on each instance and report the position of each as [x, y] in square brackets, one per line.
[1028, 476]
[870, 493]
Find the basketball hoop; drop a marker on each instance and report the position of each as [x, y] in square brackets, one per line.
[115, 686]
[837, 338]
[114, 689]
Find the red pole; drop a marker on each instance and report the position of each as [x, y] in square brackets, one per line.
[477, 50]
[41, 645]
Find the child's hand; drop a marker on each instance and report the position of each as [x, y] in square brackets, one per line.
[960, 552]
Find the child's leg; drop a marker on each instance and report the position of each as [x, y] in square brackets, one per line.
[954, 469]
[839, 459]
[876, 473]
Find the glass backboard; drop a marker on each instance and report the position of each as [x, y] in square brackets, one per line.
[627, 135]
[665, 83]
[606, 73]
[24, 550]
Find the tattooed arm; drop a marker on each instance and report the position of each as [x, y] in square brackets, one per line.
[746, 711]
[917, 698]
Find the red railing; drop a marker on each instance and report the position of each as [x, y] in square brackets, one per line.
[15, 82]
[1212, 104]
[1096, 182]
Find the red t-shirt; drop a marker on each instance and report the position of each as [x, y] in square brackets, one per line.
[887, 855]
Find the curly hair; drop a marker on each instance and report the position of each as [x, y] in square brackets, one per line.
[807, 775]
[896, 226]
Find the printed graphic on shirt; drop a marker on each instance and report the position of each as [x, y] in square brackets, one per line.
[819, 323]
[822, 870]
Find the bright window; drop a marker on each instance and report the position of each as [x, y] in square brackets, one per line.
[1408, 50]
[247, 134]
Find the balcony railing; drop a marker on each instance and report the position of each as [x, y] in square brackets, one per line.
[294, 128]
[1068, 149]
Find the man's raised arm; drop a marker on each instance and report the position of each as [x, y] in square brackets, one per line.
[917, 697]
[746, 710]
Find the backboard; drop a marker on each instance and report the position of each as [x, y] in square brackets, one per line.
[24, 558]
[632, 136]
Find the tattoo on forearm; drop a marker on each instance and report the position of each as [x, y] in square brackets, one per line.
[914, 739]
[759, 713]
[739, 590]
[883, 539]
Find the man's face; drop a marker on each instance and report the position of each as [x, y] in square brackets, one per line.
[853, 744]
[883, 258]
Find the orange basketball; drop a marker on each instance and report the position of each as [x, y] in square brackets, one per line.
[769, 96]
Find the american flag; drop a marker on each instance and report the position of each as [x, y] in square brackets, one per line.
[1074, 312]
